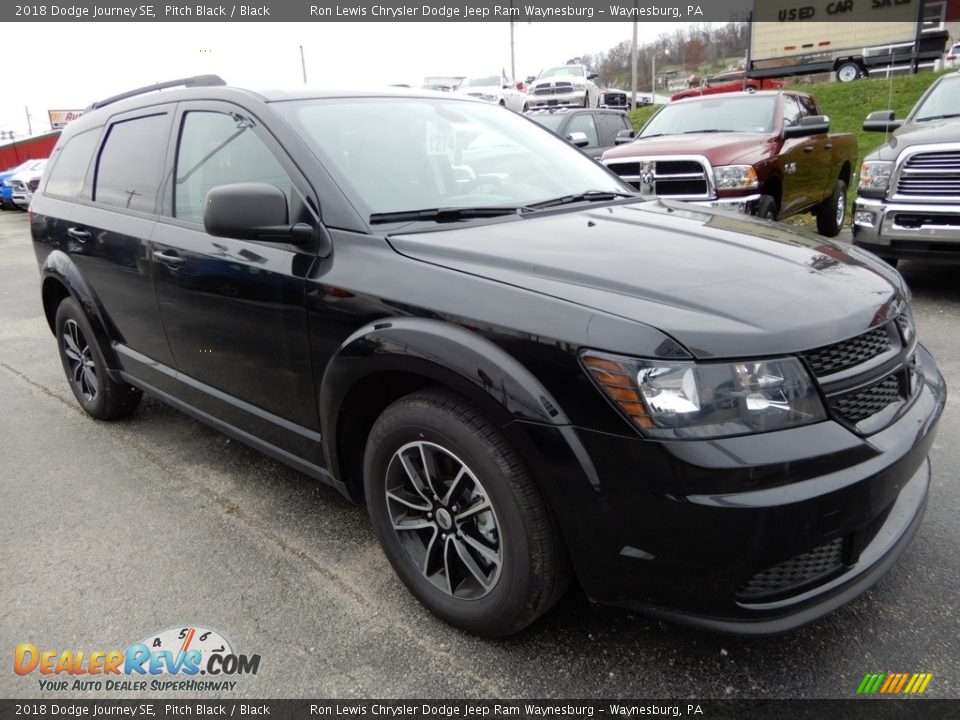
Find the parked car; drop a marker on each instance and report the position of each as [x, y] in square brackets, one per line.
[563, 86]
[594, 131]
[6, 183]
[527, 376]
[768, 154]
[618, 99]
[952, 57]
[728, 82]
[24, 183]
[908, 199]
[496, 89]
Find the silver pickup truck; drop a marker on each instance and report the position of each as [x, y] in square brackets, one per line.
[908, 200]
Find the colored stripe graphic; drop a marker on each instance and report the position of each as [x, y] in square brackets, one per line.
[894, 683]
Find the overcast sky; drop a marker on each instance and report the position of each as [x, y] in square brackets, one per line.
[68, 65]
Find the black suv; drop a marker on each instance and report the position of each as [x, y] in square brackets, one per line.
[527, 372]
[594, 131]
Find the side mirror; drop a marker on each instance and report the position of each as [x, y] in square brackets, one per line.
[881, 121]
[530, 79]
[809, 125]
[579, 139]
[624, 136]
[592, 76]
[251, 211]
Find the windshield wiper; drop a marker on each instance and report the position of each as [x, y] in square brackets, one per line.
[450, 214]
[711, 130]
[644, 137]
[947, 116]
[588, 196]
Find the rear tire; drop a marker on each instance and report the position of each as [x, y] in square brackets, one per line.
[833, 211]
[492, 571]
[86, 371]
[848, 72]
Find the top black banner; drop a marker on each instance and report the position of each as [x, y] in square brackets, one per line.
[646, 11]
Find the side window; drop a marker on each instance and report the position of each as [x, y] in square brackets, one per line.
[71, 164]
[131, 162]
[584, 123]
[219, 149]
[807, 106]
[608, 125]
[791, 111]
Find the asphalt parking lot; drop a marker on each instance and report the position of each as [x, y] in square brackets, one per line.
[112, 531]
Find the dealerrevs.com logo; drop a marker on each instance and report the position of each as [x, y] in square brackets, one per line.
[169, 660]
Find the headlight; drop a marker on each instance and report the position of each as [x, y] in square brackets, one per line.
[693, 400]
[735, 177]
[875, 177]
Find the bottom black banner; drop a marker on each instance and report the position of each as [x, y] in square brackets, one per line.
[865, 709]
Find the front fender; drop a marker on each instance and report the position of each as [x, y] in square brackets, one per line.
[442, 351]
[58, 267]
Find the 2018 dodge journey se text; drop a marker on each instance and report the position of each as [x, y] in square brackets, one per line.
[528, 373]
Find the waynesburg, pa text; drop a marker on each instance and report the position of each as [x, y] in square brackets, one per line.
[428, 12]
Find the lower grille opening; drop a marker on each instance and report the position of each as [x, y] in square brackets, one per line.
[862, 404]
[796, 573]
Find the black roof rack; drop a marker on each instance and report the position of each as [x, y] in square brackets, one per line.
[195, 81]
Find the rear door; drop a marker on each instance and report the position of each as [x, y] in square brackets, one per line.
[234, 310]
[609, 124]
[110, 227]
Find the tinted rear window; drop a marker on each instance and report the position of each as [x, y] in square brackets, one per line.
[131, 163]
[71, 164]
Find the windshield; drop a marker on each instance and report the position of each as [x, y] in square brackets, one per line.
[489, 81]
[943, 100]
[734, 114]
[563, 71]
[440, 153]
[551, 122]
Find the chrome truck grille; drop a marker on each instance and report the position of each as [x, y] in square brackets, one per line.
[684, 178]
[934, 174]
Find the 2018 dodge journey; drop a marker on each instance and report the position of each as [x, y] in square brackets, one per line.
[528, 373]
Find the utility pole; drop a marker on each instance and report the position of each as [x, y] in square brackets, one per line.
[513, 62]
[633, 65]
[653, 78]
[303, 65]
[29, 124]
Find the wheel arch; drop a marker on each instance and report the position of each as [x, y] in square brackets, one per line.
[62, 279]
[773, 186]
[845, 173]
[389, 359]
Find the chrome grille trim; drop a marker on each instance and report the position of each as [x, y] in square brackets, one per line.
[692, 170]
[927, 172]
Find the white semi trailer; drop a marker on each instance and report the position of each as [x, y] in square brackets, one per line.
[852, 39]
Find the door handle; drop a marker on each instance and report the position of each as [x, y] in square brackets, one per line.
[808, 149]
[169, 258]
[78, 234]
[828, 146]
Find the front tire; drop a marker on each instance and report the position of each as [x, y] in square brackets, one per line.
[767, 208]
[832, 212]
[459, 516]
[99, 395]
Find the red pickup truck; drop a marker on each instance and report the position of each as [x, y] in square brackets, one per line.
[729, 82]
[768, 154]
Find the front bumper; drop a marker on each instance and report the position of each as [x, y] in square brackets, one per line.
[573, 99]
[746, 204]
[905, 230]
[679, 529]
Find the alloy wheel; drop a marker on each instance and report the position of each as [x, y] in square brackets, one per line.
[83, 370]
[444, 520]
[841, 209]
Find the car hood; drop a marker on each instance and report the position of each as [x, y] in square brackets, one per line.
[486, 89]
[719, 148]
[925, 133]
[720, 284]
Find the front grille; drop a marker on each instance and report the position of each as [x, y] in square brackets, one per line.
[842, 355]
[869, 401]
[544, 91]
[934, 174]
[796, 572]
[671, 178]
